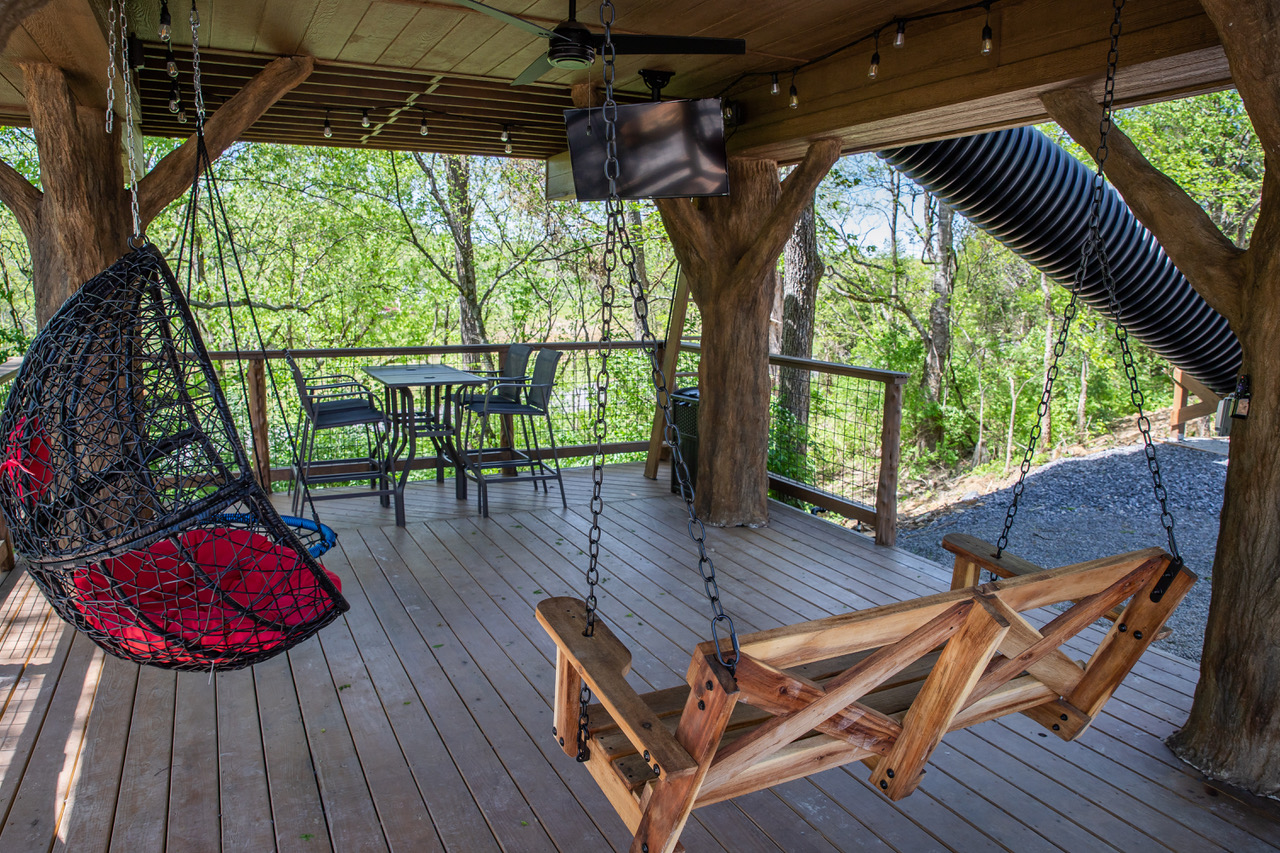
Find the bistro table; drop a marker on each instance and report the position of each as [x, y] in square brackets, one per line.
[435, 420]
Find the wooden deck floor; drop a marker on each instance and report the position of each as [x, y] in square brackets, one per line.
[420, 721]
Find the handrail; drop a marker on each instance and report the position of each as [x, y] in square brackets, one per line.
[875, 374]
[435, 349]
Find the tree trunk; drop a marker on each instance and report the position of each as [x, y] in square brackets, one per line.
[460, 213]
[1233, 732]
[802, 269]
[729, 248]
[941, 254]
[83, 223]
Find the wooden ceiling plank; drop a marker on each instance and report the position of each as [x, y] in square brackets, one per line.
[377, 30]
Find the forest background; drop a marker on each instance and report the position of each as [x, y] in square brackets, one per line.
[357, 248]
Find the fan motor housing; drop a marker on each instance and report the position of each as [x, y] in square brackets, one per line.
[571, 50]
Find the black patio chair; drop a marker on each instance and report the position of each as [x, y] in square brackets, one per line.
[528, 402]
[510, 376]
[337, 401]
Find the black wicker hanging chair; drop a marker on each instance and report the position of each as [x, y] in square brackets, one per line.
[127, 488]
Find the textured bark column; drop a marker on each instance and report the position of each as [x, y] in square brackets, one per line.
[81, 221]
[729, 248]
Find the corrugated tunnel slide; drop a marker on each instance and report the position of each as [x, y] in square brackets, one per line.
[1031, 195]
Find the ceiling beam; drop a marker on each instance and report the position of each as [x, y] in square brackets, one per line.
[940, 85]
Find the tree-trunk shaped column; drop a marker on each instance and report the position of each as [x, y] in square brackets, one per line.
[729, 248]
[80, 223]
[1233, 733]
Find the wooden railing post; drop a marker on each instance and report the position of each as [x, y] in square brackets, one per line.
[670, 359]
[257, 382]
[890, 458]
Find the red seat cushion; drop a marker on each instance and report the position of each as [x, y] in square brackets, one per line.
[27, 466]
[222, 591]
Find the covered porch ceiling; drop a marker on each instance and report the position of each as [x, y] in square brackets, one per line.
[405, 60]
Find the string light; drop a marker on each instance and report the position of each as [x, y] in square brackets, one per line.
[174, 97]
[328, 128]
[182, 114]
[506, 136]
[170, 64]
[422, 125]
[166, 21]
[873, 69]
[364, 118]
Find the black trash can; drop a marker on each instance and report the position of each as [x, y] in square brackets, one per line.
[684, 411]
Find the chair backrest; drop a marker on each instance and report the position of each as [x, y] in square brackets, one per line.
[304, 395]
[513, 368]
[544, 377]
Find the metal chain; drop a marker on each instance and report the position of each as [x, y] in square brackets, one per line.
[618, 247]
[111, 65]
[197, 89]
[600, 425]
[1092, 244]
[137, 239]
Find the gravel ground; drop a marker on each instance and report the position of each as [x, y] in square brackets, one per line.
[1086, 507]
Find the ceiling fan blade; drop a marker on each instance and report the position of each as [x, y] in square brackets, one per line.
[540, 66]
[638, 44]
[506, 18]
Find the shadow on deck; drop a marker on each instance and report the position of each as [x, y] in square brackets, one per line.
[421, 721]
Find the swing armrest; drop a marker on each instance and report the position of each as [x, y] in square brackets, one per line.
[602, 662]
[983, 555]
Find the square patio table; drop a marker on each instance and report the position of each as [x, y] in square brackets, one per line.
[435, 420]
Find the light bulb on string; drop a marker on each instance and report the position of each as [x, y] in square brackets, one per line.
[506, 134]
[987, 41]
[873, 71]
[422, 125]
[364, 118]
[170, 64]
[795, 98]
[174, 98]
[182, 114]
[507, 147]
[166, 21]
[328, 128]
[900, 37]
[773, 86]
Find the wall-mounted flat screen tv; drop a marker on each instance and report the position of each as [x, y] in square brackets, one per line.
[668, 149]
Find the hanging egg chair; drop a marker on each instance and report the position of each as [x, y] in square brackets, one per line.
[127, 488]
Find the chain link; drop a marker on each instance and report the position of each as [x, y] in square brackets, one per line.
[129, 133]
[1094, 246]
[111, 65]
[197, 92]
[618, 248]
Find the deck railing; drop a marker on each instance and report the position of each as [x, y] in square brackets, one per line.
[834, 436]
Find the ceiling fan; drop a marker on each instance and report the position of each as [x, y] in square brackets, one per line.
[573, 46]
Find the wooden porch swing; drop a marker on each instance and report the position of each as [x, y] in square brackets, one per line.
[881, 685]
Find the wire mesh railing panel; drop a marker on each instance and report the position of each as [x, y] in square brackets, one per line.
[824, 431]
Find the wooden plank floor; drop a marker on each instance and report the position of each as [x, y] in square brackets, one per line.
[420, 721]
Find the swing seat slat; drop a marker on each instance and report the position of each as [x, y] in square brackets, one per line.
[881, 686]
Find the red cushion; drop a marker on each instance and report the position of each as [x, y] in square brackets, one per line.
[27, 467]
[197, 586]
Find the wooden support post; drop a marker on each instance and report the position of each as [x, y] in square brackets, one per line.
[670, 361]
[890, 460]
[256, 378]
[729, 248]
[941, 697]
[706, 713]
[1184, 388]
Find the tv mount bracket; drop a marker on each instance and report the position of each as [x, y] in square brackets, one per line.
[656, 81]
